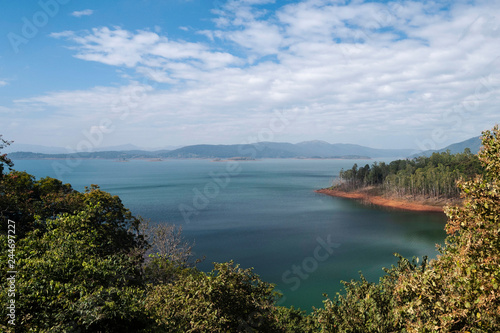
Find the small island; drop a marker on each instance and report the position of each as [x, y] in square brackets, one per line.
[237, 158]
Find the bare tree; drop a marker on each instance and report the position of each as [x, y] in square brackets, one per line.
[166, 242]
[4, 160]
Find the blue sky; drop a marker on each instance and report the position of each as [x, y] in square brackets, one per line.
[402, 74]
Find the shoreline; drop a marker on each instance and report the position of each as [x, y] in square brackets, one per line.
[378, 200]
[188, 158]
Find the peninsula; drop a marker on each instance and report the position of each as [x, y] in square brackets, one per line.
[410, 204]
[425, 184]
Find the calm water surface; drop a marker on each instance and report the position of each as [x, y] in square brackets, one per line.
[263, 214]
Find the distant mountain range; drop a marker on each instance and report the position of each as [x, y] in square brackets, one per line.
[474, 144]
[308, 149]
[21, 147]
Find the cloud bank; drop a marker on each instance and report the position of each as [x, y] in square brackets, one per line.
[396, 74]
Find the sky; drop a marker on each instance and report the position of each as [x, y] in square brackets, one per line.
[84, 74]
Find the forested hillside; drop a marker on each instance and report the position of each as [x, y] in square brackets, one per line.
[433, 176]
[81, 262]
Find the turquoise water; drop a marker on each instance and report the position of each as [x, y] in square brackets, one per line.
[263, 214]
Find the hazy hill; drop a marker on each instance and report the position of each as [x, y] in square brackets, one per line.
[474, 144]
[21, 147]
[259, 150]
[15, 147]
[322, 148]
[100, 154]
[309, 149]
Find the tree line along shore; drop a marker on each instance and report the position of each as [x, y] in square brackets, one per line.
[418, 184]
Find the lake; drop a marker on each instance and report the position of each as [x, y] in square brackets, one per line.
[263, 214]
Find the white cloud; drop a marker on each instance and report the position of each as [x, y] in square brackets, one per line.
[361, 71]
[80, 13]
[118, 47]
[3, 83]
[259, 37]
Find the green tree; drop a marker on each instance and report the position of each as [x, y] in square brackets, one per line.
[78, 256]
[78, 274]
[229, 299]
[433, 176]
[461, 292]
[26, 200]
[368, 307]
[457, 292]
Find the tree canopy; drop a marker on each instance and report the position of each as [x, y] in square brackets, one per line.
[433, 176]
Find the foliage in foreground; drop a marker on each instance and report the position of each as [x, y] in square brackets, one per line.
[457, 292]
[82, 268]
[228, 299]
